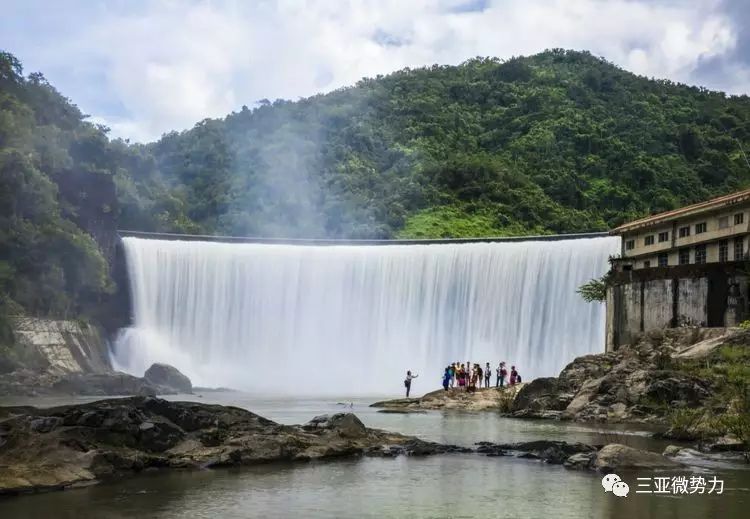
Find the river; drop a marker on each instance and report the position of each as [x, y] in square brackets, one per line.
[441, 486]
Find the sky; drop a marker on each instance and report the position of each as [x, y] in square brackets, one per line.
[144, 68]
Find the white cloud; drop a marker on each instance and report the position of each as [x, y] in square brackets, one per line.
[171, 64]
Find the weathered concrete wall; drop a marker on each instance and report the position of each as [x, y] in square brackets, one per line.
[56, 347]
[657, 304]
[692, 300]
[711, 295]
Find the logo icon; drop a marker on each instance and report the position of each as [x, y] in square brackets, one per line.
[620, 489]
[613, 483]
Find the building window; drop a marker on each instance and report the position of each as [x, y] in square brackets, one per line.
[684, 231]
[700, 228]
[700, 254]
[663, 236]
[739, 218]
[724, 222]
[663, 259]
[648, 240]
[630, 245]
[739, 249]
[684, 256]
[646, 264]
[723, 250]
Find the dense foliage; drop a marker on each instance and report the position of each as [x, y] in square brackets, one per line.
[557, 142]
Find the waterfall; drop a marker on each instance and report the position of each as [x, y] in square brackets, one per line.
[348, 319]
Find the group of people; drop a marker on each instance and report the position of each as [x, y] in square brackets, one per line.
[469, 376]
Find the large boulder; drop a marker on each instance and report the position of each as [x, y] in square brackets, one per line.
[346, 425]
[616, 456]
[541, 394]
[168, 377]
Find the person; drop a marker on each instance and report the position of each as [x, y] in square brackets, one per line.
[473, 380]
[501, 373]
[480, 374]
[447, 378]
[452, 372]
[461, 377]
[487, 375]
[407, 382]
[513, 375]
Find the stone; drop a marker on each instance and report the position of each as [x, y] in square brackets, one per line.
[168, 376]
[346, 425]
[540, 394]
[483, 399]
[615, 456]
[672, 450]
[56, 448]
[580, 461]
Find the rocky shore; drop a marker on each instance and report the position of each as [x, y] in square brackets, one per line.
[57, 448]
[159, 379]
[79, 445]
[485, 399]
[695, 383]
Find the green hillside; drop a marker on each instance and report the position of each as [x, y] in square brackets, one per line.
[557, 142]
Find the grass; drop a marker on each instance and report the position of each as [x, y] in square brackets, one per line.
[727, 369]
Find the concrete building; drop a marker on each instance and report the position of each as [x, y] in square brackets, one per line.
[708, 232]
[686, 267]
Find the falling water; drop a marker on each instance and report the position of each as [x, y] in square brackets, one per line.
[352, 319]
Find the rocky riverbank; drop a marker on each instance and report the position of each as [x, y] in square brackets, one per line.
[486, 399]
[159, 379]
[693, 382]
[79, 445]
[57, 448]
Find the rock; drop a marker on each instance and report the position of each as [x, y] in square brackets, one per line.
[483, 399]
[554, 452]
[580, 461]
[726, 443]
[46, 449]
[168, 376]
[45, 424]
[672, 450]
[615, 456]
[346, 425]
[541, 394]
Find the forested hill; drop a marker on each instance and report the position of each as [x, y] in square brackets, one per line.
[556, 142]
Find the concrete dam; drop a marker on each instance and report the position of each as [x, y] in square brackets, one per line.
[351, 319]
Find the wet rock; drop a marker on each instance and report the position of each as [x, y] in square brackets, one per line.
[726, 443]
[345, 424]
[672, 450]
[549, 451]
[166, 376]
[401, 411]
[45, 424]
[580, 461]
[70, 445]
[615, 456]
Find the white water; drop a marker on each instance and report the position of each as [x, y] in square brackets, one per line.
[352, 319]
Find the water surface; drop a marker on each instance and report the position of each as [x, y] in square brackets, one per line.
[441, 486]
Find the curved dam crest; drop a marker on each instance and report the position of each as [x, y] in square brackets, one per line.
[351, 319]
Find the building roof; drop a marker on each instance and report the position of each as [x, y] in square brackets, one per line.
[690, 210]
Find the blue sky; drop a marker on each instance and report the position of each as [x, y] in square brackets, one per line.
[147, 67]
